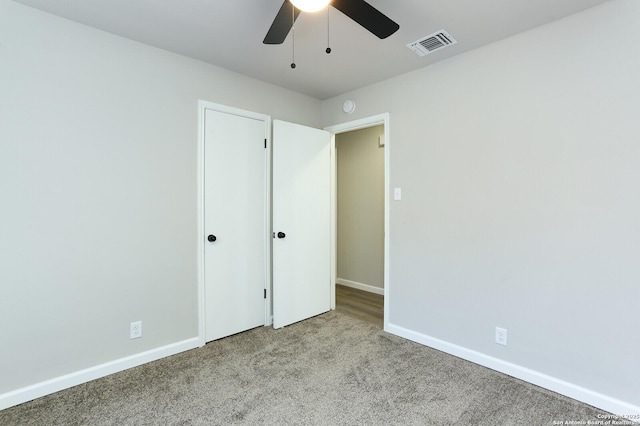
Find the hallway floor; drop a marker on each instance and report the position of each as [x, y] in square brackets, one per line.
[360, 304]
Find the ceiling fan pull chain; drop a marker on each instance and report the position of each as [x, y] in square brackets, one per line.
[328, 50]
[293, 37]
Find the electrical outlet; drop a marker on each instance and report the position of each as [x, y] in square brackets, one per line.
[501, 336]
[135, 330]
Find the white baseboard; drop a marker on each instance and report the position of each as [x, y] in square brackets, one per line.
[360, 286]
[598, 400]
[47, 387]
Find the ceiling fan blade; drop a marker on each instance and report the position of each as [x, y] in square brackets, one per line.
[282, 24]
[367, 16]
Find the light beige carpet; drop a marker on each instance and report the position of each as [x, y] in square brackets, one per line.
[329, 370]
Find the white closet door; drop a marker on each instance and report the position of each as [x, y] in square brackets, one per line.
[301, 222]
[234, 223]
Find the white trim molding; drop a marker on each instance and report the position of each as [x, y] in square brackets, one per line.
[596, 399]
[56, 384]
[360, 286]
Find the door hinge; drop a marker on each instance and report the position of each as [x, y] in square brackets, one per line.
[265, 293]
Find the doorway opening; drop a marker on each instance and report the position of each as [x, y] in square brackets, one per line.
[360, 153]
[360, 223]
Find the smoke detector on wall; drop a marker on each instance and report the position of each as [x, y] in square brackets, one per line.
[431, 43]
[348, 106]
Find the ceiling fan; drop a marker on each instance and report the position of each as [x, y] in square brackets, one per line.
[360, 11]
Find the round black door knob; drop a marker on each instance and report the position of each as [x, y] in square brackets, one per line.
[211, 238]
[281, 235]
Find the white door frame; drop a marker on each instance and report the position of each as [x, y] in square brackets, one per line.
[202, 106]
[376, 120]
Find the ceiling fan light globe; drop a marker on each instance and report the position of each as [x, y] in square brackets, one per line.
[310, 5]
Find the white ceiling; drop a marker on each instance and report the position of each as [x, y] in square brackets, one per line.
[229, 34]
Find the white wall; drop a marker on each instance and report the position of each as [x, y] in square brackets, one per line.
[98, 141]
[519, 165]
[360, 219]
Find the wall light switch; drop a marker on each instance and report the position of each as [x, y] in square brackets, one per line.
[397, 194]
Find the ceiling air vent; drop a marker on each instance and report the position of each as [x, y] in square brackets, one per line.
[431, 43]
